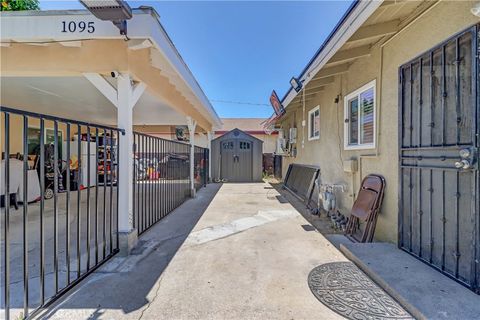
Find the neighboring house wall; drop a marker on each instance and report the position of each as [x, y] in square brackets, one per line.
[438, 24]
[269, 142]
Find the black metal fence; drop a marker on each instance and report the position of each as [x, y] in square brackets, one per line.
[59, 210]
[161, 178]
[200, 167]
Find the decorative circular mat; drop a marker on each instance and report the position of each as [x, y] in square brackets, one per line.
[342, 287]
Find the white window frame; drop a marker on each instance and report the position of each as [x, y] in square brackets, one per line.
[310, 138]
[346, 131]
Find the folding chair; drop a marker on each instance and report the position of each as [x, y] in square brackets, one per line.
[366, 208]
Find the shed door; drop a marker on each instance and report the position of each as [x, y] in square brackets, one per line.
[236, 160]
[228, 158]
[439, 176]
[244, 161]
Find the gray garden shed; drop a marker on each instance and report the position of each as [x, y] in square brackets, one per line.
[237, 157]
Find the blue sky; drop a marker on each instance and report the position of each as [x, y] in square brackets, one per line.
[242, 50]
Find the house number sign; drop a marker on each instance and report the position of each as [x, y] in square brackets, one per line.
[78, 26]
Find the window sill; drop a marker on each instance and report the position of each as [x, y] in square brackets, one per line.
[313, 138]
[360, 147]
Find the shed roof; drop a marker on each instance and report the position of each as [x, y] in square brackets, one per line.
[225, 135]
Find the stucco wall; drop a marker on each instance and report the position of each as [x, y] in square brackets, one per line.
[269, 142]
[438, 24]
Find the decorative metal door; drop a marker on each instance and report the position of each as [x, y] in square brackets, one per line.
[439, 171]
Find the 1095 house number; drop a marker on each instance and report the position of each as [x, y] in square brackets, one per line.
[78, 26]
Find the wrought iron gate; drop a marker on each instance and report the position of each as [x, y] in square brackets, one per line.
[161, 177]
[439, 172]
[59, 213]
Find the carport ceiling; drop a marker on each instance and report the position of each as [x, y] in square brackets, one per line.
[76, 98]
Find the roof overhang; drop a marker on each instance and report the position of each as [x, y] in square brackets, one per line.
[44, 28]
[366, 26]
[358, 13]
[351, 22]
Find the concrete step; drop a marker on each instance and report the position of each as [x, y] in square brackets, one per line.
[420, 289]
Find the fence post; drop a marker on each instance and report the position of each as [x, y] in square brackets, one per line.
[192, 124]
[210, 136]
[204, 165]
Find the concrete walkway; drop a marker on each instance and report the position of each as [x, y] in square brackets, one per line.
[422, 290]
[236, 252]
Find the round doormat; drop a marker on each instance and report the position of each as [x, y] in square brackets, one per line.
[342, 287]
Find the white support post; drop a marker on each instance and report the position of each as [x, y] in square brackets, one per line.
[124, 98]
[192, 124]
[210, 135]
[125, 121]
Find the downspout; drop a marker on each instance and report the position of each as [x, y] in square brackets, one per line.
[303, 118]
[380, 91]
[378, 118]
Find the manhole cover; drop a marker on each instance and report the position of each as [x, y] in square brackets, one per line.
[342, 287]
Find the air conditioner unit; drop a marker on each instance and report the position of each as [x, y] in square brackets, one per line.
[292, 135]
[281, 146]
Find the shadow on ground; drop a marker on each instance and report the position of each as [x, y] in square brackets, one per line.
[129, 280]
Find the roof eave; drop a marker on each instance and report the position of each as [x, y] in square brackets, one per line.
[355, 16]
[109, 31]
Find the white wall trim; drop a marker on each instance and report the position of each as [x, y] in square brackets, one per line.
[310, 138]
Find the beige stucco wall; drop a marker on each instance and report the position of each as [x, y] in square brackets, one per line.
[269, 142]
[438, 24]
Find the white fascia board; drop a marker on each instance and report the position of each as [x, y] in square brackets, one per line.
[41, 26]
[355, 20]
[147, 20]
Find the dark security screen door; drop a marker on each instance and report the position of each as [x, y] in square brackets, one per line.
[439, 176]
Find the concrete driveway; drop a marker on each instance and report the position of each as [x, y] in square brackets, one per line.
[238, 251]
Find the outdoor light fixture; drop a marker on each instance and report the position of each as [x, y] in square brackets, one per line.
[117, 11]
[296, 84]
[475, 10]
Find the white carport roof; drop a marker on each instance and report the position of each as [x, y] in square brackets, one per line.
[36, 48]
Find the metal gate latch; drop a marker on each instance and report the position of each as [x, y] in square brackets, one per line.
[467, 160]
